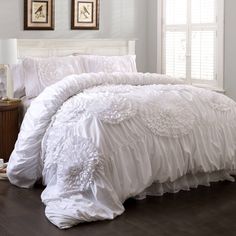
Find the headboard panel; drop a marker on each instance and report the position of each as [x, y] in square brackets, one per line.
[64, 47]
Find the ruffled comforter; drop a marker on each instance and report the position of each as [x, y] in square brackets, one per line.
[98, 139]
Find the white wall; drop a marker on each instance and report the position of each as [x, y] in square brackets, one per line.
[230, 48]
[152, 36]
[119, 19]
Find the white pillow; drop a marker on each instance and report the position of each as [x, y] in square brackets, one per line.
[109, 64]
[17, 75]
[42, 72]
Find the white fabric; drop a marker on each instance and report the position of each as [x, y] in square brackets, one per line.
[98, 139]
[25, 101]
[39, 73]
[186, 182]
[17, 75]
[108, 64]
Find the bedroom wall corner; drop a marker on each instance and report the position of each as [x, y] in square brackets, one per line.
[230, 49]
[152, 36]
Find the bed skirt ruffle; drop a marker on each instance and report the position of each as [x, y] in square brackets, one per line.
[186, 183]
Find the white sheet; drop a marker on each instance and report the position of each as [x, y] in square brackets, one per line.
[25, 104]
[98, 139]
[25, 101]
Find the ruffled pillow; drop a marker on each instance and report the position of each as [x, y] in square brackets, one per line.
[108, 64]
[40, 73]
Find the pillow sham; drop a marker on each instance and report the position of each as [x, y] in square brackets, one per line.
[109, 64]
[17, 75]
[40, 73]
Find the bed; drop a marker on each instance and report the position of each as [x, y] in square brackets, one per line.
[106, 133]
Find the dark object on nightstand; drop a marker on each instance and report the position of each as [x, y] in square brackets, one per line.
[9, 127]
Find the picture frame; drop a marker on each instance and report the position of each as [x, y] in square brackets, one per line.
[39, 15]
[85, 14]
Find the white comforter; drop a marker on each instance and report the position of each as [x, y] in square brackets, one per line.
[98, 139]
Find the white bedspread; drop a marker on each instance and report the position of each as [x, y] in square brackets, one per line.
[98, 139]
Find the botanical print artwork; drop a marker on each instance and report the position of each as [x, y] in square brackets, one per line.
[85, 12]
[39, 11]
[38, 14]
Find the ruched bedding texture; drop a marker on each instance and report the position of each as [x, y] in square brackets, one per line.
[98, 139]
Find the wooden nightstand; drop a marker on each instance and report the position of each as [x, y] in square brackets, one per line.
[9, 128]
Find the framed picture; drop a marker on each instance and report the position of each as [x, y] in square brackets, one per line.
[39, 15]
[85, 14]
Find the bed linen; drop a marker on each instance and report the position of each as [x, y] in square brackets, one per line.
[98, 139]
[17, 75]
[39, 73]
[25, 101]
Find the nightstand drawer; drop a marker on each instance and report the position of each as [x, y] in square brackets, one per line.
[9, 128]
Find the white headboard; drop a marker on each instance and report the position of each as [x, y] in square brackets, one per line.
[64, 47]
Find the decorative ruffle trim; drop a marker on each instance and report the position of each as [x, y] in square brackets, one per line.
[186, 183]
